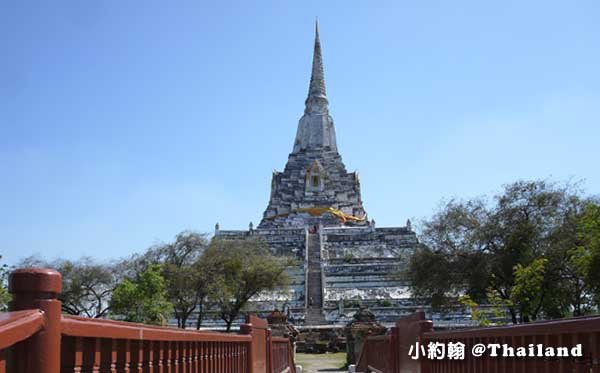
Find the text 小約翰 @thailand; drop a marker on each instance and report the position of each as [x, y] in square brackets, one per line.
[458, 351]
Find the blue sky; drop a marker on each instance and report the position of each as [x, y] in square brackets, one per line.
[123, 123]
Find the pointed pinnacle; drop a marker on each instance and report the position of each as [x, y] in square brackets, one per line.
[317, 79]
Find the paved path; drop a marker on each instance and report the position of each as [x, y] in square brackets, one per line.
[316, 363]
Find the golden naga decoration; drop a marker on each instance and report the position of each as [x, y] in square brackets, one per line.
[317, 211]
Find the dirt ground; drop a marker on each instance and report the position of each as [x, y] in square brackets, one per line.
[313, 363]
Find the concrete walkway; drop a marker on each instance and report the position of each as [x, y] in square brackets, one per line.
[314, 363]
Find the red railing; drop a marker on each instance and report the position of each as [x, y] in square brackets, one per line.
[376, 354]
[559, 333]
[283, 359]
[16, 327]
[139, 348]
[37, 338]
[390, 353]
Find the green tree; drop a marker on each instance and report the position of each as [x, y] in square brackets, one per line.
[567, 267]
[451, 254]
[185, 278]
[476, 313]
[494, 314]
[588, 252]
[87, 285]
[243, 268]
[527, 293]
[204, 286]
[5, 297]
[480, 249]
[143, 299]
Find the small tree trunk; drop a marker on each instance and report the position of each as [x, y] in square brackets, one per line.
[228, 322]
[513, 315]
[200, 316]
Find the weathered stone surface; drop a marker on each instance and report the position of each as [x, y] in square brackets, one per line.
[292, 190]
[361, 267]
[280, 327]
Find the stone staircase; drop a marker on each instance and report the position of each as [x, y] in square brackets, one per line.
[314, 313]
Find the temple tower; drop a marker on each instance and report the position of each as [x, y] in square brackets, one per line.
[316, 216]
[314, 188]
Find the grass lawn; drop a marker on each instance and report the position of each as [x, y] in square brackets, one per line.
[322, 362]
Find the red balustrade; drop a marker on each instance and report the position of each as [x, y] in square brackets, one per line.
[556, 333]
[35, 337]
[376, 354]
[16, 327]
[390, 353]
[283, 356]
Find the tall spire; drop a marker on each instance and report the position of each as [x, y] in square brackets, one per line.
[315, 128]
[317, 78]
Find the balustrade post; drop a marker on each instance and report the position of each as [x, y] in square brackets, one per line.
[269, 348]
[424, 326]
[36, 288]
[394, 350]
[247, 329]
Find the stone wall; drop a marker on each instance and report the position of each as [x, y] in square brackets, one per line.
[289, 190]
[361, 266]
